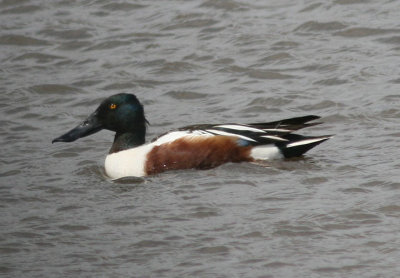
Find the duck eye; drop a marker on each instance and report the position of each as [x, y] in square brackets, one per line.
[113, 106]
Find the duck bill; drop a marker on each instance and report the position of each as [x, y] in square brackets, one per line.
[87, 127]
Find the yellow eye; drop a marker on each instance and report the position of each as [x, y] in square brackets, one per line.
[113, 106]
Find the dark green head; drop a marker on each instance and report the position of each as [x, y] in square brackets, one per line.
[121, 113]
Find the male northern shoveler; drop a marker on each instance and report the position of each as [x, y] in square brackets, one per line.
[198, 146]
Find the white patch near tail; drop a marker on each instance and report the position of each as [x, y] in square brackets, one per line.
[307, 141]
[265, 152]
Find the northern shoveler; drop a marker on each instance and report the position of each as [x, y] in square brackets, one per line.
[201, 146]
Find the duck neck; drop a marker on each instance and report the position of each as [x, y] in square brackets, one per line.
[127, 140]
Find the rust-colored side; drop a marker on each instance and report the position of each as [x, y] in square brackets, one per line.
[195, 152]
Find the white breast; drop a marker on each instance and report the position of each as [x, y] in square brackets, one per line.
[129, 163]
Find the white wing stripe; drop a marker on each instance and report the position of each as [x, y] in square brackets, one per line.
[241, 127]
[172, 136]
[219, 132]
[277, 129]
[274, 138]
[306, 142]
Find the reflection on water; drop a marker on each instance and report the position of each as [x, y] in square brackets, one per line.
[332, 213]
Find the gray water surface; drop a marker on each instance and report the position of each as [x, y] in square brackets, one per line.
[333, 213]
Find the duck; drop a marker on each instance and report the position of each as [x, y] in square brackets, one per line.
[200, 146]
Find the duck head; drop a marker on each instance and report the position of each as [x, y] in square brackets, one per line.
[121, 113]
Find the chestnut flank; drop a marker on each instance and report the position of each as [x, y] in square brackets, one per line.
[195, 152]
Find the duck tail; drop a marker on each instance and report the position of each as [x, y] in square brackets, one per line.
[297, 145]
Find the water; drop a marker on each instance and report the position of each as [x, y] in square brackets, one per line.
[333, 213]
